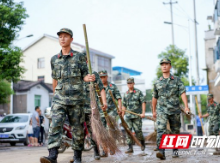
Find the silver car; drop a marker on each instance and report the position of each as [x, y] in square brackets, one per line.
[13, 128]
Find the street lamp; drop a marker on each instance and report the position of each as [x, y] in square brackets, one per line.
[26, 36]
[11, 102]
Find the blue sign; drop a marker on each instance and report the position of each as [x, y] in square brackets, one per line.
[197, 89]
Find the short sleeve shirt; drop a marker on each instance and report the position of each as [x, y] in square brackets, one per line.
[213, 110]
[69, 71]
[133, 102]
[167, 92]
[111, 110]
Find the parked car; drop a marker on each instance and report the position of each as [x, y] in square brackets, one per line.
[13, 128]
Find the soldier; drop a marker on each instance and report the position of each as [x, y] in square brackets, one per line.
[69, 70]
[134, 101]
[111, 109]
[213, 110]
[166, 92]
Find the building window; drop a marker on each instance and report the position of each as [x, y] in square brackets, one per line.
[40, 78]
[104, 64]
[40, 63]
[37, 100]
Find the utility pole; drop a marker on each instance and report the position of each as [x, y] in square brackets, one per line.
[196, 52]
[171, 11]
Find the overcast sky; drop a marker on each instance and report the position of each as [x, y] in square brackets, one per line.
[131, 30]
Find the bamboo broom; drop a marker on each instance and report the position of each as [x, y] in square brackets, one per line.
[114, 130]
[101, 134]
[124, 124]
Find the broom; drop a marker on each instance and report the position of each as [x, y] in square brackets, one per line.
[101, 134]
[114, 130]
[124, 124]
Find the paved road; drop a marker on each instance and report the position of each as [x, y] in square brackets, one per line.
[22, 154]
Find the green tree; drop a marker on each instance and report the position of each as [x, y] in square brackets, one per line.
[12, 17]
[5, 91]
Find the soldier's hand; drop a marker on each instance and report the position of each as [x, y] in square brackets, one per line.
[142, 115]
[200, 116]
[154, 114]
[186, 110]
[91, 78]
[104, 107]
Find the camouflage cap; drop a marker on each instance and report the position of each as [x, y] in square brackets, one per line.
[210, 96]
[103, 73]
[65, 30]
[165, 60]
[130, 80]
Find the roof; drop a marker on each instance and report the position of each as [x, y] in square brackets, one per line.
[126, 70]
[73, 43]
[25, 85]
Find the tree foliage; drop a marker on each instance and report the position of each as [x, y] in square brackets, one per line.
[12, 17]
[5, 91]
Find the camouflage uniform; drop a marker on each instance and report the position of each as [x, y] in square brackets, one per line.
[167, 92]
[87, 107]
[133, 101]
[69, 71]
[214, 117]
[111, 110]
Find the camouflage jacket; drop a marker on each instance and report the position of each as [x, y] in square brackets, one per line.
[167, 92]
[87, 108]
[213, 110]
[133, 102]
[69, 71]
[111, 110]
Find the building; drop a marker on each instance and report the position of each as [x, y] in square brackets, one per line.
[28, 94]
[212, 53]
[120, 76]
[37, 58]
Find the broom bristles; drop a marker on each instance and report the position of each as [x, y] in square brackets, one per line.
[101, 135]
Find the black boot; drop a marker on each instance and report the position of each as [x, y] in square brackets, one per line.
[142, 145]
[77, 156]
[52, 158]
[175, 153]
[96, 153]
[161, 154]
[130, 149]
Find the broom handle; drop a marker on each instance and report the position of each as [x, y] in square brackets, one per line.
[124, 124]
[199, 114]
[87, 50]
[98, 93]
[148, 117]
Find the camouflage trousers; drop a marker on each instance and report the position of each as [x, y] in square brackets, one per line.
[213, 128]
[75, 114]
[136, 125]
[88, 123]
[162, 120]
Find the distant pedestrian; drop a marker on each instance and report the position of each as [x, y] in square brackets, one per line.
[36, 125]
[199, 127]
[30, 134]
[41, 134]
